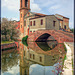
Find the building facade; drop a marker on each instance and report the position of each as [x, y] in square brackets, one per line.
[31, 21]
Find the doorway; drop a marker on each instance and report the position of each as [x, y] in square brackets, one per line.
[64, 26]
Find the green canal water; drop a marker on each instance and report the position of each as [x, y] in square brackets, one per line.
[41, 58]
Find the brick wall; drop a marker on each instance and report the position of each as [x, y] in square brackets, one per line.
[60, 37]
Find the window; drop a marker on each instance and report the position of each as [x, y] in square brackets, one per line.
[26, 3]
[21, 3]
[65, 26]
[30, 55]
[24, 23]
[41, 22]
[21, 15]
[31, 23]
[40, 59]
[24, 53]
[54, 23]
[34, 23]
[33, 56]
[33, 31]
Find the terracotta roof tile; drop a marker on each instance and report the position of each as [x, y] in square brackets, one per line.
[39, 14]
[62, 16]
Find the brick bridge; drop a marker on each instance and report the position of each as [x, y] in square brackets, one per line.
[45, 35]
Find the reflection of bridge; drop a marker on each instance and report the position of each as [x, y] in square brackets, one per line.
[54, 51]
[33, 54]
[43, 35]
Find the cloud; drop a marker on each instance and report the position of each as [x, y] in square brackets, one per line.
[55, 7]
[64, 7]
[14, 19]
[13, 71]
[34, 7]
[11, 4]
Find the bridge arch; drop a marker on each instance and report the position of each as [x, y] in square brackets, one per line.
[59, 36]
[44, 37]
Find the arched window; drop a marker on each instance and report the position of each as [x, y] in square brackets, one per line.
[30, 55]
[26, 3]
[33, 56]
[54, 23]
[21, 15]
[34, 23]
[64, 26]
[42, 22]
[30, 23]
[40, 59]
[21, 3]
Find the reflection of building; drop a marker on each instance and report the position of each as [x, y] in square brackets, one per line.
[30, 56]
[24, 68]
[42, 59]
[31, 22]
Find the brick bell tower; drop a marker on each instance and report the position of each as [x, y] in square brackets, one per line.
[24, 8]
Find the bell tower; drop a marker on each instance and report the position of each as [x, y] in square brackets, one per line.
[24, 8]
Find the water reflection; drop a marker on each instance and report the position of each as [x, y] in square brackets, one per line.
[47, 45]
[35, 59]
[10, 62]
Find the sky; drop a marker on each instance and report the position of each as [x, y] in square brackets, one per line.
[10, 8]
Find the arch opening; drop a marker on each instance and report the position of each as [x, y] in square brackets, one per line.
[43, 38]
[26, 3]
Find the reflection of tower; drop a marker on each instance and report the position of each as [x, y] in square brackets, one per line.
[24, 8]
[24, 68]
[24, 65]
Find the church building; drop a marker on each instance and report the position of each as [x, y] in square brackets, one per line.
[32, 21]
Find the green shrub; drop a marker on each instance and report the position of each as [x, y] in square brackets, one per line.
[25, 38]
[72, 30]
[25, 43]
[65, 48]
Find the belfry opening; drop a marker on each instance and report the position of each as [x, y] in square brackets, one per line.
[26, 3]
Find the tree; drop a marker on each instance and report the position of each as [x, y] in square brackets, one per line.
[8, 29]
[72, 30]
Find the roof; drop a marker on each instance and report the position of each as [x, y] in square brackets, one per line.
[62, 16]
[36, 17]
[18, 22]
[59, 19]
[39, 14]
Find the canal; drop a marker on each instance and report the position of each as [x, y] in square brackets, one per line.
[34, 58]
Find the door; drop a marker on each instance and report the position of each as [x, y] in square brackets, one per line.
[64, 26]
[28, 31]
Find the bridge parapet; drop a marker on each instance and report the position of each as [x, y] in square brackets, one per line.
[59, 36]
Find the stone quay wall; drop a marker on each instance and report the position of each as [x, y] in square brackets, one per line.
[6, 46]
